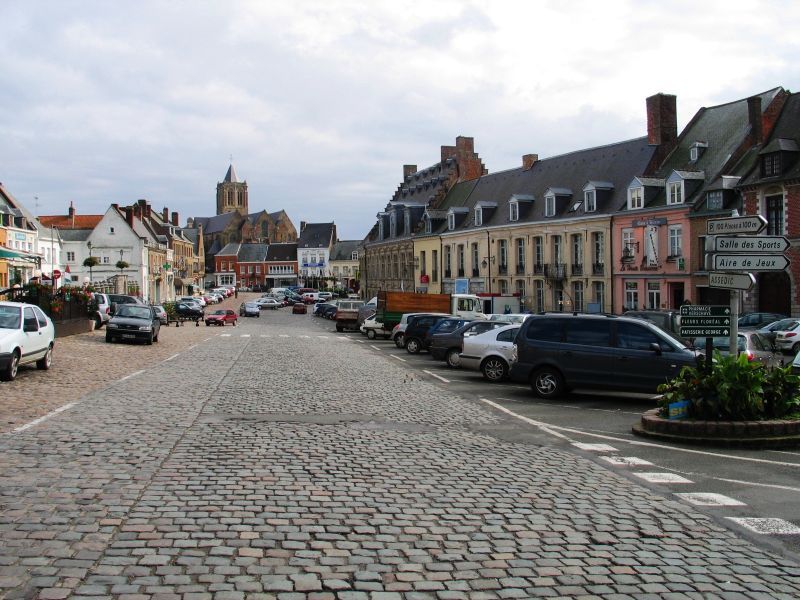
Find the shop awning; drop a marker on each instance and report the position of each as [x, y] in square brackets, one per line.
[9, 254]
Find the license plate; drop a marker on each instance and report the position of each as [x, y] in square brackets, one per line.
[128, 336]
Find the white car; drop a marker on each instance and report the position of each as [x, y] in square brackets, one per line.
[787, 336]
[509, 318]
[27, 335]
[490, 352]
[373, 328]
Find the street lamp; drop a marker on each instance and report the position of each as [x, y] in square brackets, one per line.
[91, 261]
[485, 263]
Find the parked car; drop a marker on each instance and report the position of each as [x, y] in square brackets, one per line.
[270, 303]
[325, 296]
[103, 312]
[134, 322]
[117, 299]
[757, 348]
[373, 328]
[759, 319]
[249, 309]
[367, 310]
[299, 309]
[346, 315]
[415, 332]
[27, 335]
[787, 337]
[399, 330]
[319, 307]
[509, 317]
[161, 314]
[770, 331]
[220, 317]
[188, 311]
[556, 352]
[490, 352]
[310, 297]
[668, 320]
[327, 311]
[447, 345]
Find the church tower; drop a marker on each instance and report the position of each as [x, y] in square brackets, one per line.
[232, 194]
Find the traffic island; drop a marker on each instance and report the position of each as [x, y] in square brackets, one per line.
[776, 433]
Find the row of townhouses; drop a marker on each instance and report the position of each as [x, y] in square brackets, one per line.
[136, 249]
[606, 229]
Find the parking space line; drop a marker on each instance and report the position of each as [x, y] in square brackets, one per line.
[192, 347]
[626, 461]
[171, 357]
[439, 377]
[131, 375]
[594, 447]
[662, 478]
[224, 335]
[283, 335]
[374, 346]
[398, 358]
[245, 335]
[324, 337]
[35, 422]
[543, 426]
[767, 526]
[703, 499]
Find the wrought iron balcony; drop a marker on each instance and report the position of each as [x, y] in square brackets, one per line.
[447, 273]
[502, 269]
[475, 272]
[555, 271]
[520, 269]
[461, 272]
[598, 268]
[538, 268]
[577, 269]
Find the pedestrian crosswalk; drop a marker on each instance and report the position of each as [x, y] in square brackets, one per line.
[763, 526]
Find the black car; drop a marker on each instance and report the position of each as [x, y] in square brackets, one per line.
[188, 312]
[136, 322]
[328, 311]
[416, 329]
[446, 345]
[759, 319]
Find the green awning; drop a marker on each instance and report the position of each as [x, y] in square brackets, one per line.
[9, 254]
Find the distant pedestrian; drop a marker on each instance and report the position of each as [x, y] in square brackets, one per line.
[236, 292]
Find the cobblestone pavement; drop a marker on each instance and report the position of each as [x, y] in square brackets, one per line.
[301, 466]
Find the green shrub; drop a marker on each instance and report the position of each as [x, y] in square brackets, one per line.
[736, 389]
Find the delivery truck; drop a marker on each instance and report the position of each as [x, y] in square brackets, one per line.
[393, 305]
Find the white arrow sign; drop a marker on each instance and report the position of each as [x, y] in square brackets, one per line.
[731, 281]
[747, 243]
[742, 262]
[747, 224]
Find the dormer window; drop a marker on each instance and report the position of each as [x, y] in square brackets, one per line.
[549, 205]
[392, 225]
[381, 232]
[771, 164]
[407, 223]
[513, 211]
[451, 222]
[696, 150]
[675, 192]
[635, 198]
[478, 217]
[714, 200]
[589, 201]
[354, 256]
[428, 224]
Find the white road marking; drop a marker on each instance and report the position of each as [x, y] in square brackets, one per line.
[304, 337]
[44, 418]
[342, 337]
[704, 499]
[171, 357]
[192, 347]
[224, 335]
[205, 340]
[373, 346]
[663, 478]
[324, 337]
[626, 461]
[397, 357]
[543, 426]
[131, 375]
[768, 525]
[435, 375]
[594, 447]
[283, 335]
[245, 335]
[360, 341]
[264, 335]
[755, 484]
[606, 410]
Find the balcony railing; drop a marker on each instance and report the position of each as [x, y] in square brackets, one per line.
[555, 271]
[598, 268]
[538, 268]
[520, 269]
[461, 272]
[577, 269]
[475, 272]
[447, 273]
[502, 269]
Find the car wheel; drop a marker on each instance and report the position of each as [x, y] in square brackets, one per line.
[339, 328]
[10, 372]
[109, 338]
[370, 334]
[46, 361]
[494, 369]
[208, 323]
[547, 383]
[413, 346]
[453, 358]
[796, 348]
[149, 340]
[98, 322]
[155, 337]
[398, 341]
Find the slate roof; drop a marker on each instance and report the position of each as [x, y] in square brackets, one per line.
[784, 137]
[282, 252]
[191, 235]
[317, 235]
[616, 164]
[724, 128]
[75, 235]
[230, 176]
[252, 252]
[343, 250]
[422, 186]
[216, 246]
[231, 249]
[215, 224]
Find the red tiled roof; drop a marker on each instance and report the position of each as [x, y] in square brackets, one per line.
[74, 222]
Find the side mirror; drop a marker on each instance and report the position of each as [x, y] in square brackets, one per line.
[656, 348]
[30, 324]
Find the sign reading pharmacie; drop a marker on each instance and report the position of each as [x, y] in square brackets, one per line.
[704, 320]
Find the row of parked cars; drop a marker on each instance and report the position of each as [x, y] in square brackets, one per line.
[556, 352]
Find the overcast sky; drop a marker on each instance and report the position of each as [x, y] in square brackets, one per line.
[322, 102]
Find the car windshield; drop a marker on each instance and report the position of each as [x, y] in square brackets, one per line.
[218, 312]
[133, 310]
[10, 317]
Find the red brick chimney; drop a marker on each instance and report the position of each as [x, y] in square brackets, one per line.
[528, 160]
[71, 211]
[175, 220]
[448, 152]
[129, 215]
[409, 170]
[165, 215]
[754, 116]
[662, 120]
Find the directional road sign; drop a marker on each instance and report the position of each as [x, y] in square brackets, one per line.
[704, 310]
[747, 243]
[705, 321]
[731, 281]
[755, 262]
[731, 225]
[702, 332]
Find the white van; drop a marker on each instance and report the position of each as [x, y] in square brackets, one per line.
[277, 291]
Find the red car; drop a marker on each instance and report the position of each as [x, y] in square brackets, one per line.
[299, 309]
[220, 317]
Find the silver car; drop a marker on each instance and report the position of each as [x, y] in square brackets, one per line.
[490, 352]
[757, 348]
